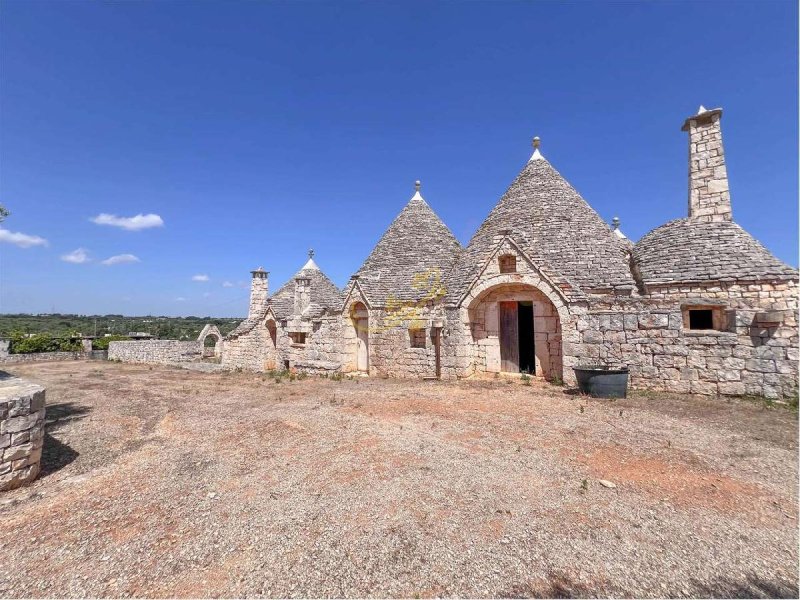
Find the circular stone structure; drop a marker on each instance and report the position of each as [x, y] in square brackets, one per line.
[21, 431]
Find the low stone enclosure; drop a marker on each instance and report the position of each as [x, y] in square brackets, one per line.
[21, 430]
[53, 356]
[155, 351]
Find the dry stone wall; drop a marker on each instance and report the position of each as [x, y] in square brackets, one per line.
[52, 356]
[321, 353]
[155, 351]
[21, 431]
[648, 335]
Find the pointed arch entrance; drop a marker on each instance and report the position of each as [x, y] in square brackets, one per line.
[516, 328]
[359, 315]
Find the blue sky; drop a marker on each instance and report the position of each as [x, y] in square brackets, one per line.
[257, 130]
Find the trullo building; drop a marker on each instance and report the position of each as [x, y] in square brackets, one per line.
[696, 306]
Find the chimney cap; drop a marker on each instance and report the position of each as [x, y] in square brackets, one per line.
[703, 117]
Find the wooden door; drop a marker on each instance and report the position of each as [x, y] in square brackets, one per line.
[509, 337]
[437, 340]
[362, 349]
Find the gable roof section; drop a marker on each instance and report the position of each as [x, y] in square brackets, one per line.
[325, 296]
[416, 241]
[555, 227]
[687, 250]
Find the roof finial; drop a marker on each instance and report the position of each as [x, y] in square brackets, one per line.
[615, 222]
[417, 195]
[536, 154]
[310, 253]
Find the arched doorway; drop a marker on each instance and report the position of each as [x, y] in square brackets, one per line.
[211, 339]
[272, 331]
[360, 318]
[516, 329]
[210, 344]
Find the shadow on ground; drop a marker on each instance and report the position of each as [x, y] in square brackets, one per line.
[754, 587]
[561, 586]
[59, 415]
[56, 454]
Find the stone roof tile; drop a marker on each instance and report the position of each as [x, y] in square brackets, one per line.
[687, 250]
[554, 226]
[417, 241]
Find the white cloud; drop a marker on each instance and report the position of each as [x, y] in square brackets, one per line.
[23, 240]
[227, 284]
[136, 223]
[76, 257]
[180, 299]
[121, 259]
[199, 277]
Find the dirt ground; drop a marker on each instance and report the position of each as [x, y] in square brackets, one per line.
[163, 482]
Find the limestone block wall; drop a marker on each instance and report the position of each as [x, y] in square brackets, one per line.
[21, 431]
[322, 351]
[648, 334]
[155, 351]
[52, 356]
[246, 351]
[390, 352]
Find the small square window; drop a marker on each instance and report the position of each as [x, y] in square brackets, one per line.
[701, 318]
[508, 263]
[417, 337]
[298, 338]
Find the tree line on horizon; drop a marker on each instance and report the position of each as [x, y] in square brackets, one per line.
[60, 325]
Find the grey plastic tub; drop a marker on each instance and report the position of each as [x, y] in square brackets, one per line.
[602, 382]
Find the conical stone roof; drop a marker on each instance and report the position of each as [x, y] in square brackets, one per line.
[324, 295]
[554, 227]
[416, 242]
[687, 250]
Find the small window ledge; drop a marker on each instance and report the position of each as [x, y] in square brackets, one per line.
[707, 332]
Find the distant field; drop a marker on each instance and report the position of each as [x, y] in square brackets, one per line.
[162, 327]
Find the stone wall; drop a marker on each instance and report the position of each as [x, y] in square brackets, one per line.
[249, 351]
[155, 351]
[390, 351]
[52, 356]
[21, 431]
[648, 334]
[321, 352]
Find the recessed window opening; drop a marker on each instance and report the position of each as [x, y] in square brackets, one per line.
[701, 318]
[298, 337]
[417, 337]
[508, 263]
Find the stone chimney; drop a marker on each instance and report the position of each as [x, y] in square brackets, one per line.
[258, 291]
[302, 294]
[709, 197]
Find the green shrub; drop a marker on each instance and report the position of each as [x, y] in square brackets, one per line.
[43, 342]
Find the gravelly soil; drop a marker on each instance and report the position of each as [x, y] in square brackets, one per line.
[163, 482]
